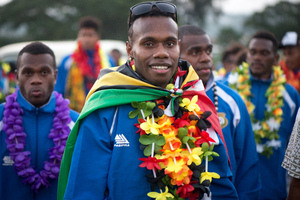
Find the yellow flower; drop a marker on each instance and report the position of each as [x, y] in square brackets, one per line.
[191, 105]
[150, 127]
[194, 156]
[172, 167]
[208, 176]
[161, 195]
[6, 67]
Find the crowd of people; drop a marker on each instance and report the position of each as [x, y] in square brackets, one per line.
[161, 125]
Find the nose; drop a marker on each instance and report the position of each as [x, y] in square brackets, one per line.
[36, 79]
[161, 52]
[204, 58]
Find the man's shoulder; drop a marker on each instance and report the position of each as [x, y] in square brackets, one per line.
[229, 91]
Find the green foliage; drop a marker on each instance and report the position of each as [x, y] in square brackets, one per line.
[147, 140]
[57, 19]
[228, 35]
[278, 19]
[146, 107]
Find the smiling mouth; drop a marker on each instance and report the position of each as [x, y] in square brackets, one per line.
[160, 67]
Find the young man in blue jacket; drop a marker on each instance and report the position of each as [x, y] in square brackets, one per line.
[147, 128]
[196, 48]
[35, 123]
[272, 105]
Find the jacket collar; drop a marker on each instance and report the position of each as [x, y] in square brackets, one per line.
[48, 107]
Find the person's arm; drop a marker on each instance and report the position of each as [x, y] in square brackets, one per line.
[294, 192]
[247, 179]
[91, 159]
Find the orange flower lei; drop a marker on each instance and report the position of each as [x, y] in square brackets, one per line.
[175, 149]
[267, 128]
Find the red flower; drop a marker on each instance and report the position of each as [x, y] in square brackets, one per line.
[204, 138]
[185, 191]
[138, 125]
[150, 163]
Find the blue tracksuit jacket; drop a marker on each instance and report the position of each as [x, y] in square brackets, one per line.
[37, 123]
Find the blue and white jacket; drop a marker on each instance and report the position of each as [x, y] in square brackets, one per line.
[273, 176]
[37, 123]
[237, 130]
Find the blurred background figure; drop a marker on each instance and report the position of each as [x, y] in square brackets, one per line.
[290, 64]
[231, 57]
[7, 81]
[78, 71]
[116, 55]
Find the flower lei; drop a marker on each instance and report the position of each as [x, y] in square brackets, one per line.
[267, 128]
[175, 147]
[15, 140]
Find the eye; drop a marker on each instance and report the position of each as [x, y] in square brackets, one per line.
[45, 72]
[208, 51]
[265, 53]
[148, 44]
[170, 44]
[27, 73]
[252, 52]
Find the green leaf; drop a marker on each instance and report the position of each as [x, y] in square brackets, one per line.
[134, 104]
[215, 154]
[160, 141]
[147, 139]
[212, 147]
[205, 146]
[148, 150]
[187, 138]
[133, 114]
[157, 149]
[208, 153]
[182, 132]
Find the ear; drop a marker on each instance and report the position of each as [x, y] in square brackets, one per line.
[17, 76]
[129, 49]
[55, 75]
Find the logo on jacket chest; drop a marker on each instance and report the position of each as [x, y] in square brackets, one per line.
[121, 141]
[7, 161]
[222, 119]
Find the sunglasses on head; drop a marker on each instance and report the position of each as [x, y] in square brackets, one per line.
[145, 7]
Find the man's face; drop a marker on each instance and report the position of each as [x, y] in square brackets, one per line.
[261, 58]
[88, 38]
[154, 48]
[36, 77]
[292, 57]
[197, 50]
[230, 63]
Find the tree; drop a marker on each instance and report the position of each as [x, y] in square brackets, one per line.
[57, 19]
[228, 35]
[278, 19]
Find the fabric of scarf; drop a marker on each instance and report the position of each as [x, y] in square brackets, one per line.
[121, 85]
[82, 76]
[291, 77]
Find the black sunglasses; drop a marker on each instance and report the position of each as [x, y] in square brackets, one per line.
[145, 7]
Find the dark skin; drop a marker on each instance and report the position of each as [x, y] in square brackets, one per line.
[154, 47]
[261, 58]
[197, 50]
[294, 192]
[36, 77]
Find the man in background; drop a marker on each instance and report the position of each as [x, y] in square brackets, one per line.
[78, 71]
[272, 105]
[196, 48]
[290, 64]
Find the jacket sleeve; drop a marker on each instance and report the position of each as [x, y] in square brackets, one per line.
[247, 181]
[91, 159]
